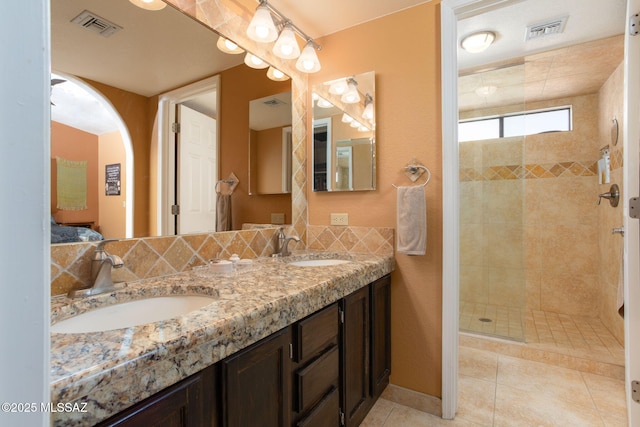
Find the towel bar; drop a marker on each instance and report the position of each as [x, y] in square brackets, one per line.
[413, 169]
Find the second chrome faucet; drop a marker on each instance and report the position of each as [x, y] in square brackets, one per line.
[282, 245]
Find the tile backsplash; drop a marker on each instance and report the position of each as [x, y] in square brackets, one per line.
[160, 256]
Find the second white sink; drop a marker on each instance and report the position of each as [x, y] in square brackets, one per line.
[132, 313]
[318, 262]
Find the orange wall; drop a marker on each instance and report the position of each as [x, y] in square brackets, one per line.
[112, 209]
[404, 51]
[74, 144]
[138, 113]
[266, 147]
[238, 86]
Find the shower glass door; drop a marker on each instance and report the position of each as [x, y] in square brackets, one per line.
[492, 194]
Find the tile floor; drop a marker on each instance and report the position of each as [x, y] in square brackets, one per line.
[497, 389]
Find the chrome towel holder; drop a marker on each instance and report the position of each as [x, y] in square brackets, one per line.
[413, 171]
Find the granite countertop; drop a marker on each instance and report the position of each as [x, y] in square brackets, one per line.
[106, 372]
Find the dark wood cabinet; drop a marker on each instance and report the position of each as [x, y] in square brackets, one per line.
[366, 349]
[190, 403]
[355, 357]
[380, 334]
[256, 384]
[316, 369]
[325, 370]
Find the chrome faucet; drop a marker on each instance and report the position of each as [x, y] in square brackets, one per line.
[282, 247]
[101, 265]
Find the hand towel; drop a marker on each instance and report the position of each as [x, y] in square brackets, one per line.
[71, 185]
[223, 212]
[411, 221]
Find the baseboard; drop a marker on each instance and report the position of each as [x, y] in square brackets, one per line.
[413, 399]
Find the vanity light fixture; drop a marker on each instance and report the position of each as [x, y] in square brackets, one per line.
[254, 62]
[478, 42]
[308, 61]
[276, 75]
[346, 118]
[264, 29]
[149, 4]
[338, 87]
[367, 114]
[227, 46]
[363, 128]
[351, 96]
[286, 46]
[323, 103]
[355, 124]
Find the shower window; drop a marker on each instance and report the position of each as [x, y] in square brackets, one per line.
[520, 124]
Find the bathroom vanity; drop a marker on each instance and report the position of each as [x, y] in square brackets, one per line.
[282, 345]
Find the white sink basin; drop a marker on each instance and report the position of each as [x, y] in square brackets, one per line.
[132, 313]
[318, 262]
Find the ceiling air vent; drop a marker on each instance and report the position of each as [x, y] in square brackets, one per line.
[273, 102]
[548, 28]
[93, 22]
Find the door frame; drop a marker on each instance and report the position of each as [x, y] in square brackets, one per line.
[166, 173]
[631, 188]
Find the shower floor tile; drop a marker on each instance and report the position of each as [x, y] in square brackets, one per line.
[578, 336]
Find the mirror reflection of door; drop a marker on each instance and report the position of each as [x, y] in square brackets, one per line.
[197, 171]
[321, 154]
[344, 168]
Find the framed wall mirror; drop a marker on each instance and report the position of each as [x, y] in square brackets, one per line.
[344, 141]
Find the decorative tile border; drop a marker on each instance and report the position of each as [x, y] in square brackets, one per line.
[536, 171]
[372, 240]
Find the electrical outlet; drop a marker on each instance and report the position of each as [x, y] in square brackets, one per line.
[277, 218]
[339, 219]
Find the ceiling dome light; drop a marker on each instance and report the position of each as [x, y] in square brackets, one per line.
[287, 46]
[254, 62]
[149, 4]
[276, 75]
[227, 46]
[261, 28]
[478, 42]
[486, 90]
[351, 96]
[308, 61]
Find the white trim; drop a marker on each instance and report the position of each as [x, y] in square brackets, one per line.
[631, 188]
[166, 172]
[450, 190]
[126, 141]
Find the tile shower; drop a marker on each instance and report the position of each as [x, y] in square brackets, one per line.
[537, 257]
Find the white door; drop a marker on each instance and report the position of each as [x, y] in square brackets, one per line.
[197, 171]
[632, 236]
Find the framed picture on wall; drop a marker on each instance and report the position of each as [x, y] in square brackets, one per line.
[112, 179]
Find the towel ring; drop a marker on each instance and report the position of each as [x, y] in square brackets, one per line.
[413, 169]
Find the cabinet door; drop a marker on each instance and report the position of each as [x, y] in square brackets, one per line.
[256, 384]
[177, 406]
[380, 335]
[355, 357]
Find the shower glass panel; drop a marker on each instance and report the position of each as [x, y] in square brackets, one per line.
[492, 187]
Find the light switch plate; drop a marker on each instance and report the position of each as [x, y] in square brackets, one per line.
[339, 219]
[277, 218]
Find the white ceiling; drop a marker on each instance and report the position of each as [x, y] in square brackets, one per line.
[159, 51]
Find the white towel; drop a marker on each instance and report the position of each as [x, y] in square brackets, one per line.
[411, 221]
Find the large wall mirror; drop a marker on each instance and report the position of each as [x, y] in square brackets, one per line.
[270, 144]
[148, 54]
[344, 137]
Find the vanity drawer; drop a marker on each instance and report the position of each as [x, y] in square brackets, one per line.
[316, 379]
[326, 413]
[316, 333]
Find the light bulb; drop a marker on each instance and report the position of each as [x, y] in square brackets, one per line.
[287, 46]
[346, 118]
[351, 96]
[254, 62]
